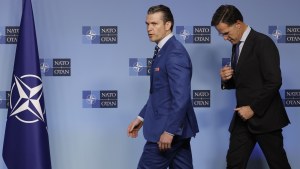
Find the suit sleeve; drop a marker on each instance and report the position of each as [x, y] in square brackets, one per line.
[270, 73]
[229, 84]
[142, 112]
[179, 69]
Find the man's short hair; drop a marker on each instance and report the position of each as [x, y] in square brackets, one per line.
[167, 14]
[227, 14]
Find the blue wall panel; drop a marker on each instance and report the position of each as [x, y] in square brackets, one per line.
[93, 138]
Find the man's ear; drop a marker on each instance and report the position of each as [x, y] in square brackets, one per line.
[168, 25]
[238, 24]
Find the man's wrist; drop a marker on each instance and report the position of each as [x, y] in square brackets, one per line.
[140, 118]
[169, 133]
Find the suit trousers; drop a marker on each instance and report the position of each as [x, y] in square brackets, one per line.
[242, 143]
[178, 157]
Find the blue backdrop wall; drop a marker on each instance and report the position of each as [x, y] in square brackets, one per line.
[94, 64]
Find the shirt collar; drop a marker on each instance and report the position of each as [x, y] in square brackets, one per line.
[164, 40]
[245, 34]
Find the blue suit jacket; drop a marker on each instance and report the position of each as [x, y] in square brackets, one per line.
[169, 107]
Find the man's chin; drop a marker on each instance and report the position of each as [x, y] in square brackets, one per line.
[152, 40]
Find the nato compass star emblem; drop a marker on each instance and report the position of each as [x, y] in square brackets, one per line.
[91, 99]
[277, 34]
[90, 35]
[137, 67]
[44, 67]
[26, 103]
[185, 34]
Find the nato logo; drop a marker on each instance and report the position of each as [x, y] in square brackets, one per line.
[27, 103]
[9, 34]
[90, 35]
[108, 34]
[201, 98]
[108, 99]
[292, 98]
[4, 99]
[55, 67]
[193, 34]
[100, 34]
[91, 99]
[100, 99]
[285, 34]
[139, 66]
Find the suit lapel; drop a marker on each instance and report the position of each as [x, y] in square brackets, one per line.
[162, 51]
[246, 51]
[160, 56]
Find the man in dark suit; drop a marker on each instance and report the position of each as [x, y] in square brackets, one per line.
[255, 74]
[168, 118]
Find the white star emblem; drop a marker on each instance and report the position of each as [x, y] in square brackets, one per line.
[185, 34]
[91, 99]
[44, 67]
[277, 34]
[137, 67]
[29, 99]
[90, 34]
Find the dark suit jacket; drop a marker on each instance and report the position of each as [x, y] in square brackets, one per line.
[257, 80]
[169, 107]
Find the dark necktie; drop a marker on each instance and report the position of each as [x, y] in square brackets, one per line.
[152, 69]
[155, 53]
[236, 55]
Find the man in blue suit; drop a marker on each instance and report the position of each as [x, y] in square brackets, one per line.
[168, 118]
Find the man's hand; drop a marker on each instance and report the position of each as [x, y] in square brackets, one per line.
[165, 141]
[134, 127]
[226, 73]
[245, 112]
